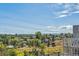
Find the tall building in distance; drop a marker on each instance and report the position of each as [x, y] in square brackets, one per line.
[75, 31]
[71, 45]
[75, 41]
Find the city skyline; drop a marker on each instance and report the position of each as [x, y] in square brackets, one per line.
[46, 18]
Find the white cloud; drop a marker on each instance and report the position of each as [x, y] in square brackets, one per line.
[67, 10]
[76, 12]
[51, 27]
[60, 16]
[60, 29]
[66, 27]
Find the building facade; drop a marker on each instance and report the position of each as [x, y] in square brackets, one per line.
[75, 41]
[71, 45]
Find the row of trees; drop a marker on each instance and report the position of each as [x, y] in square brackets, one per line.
[11, 44]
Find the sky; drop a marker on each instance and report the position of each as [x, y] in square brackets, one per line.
[29, 18]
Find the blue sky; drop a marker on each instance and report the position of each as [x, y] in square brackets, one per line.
[47, 18]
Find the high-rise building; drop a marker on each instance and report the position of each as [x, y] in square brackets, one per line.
[71, 45]
[75, 41]
[76, 31]
[67, 46]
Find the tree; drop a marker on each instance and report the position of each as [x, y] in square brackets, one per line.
[57, 38]
[38, 43]
[2, 48]
[68, 35]
[19, 53]
[14, 52]
[38, 35]
[26, 52]
[11, 52]
[42, 46]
